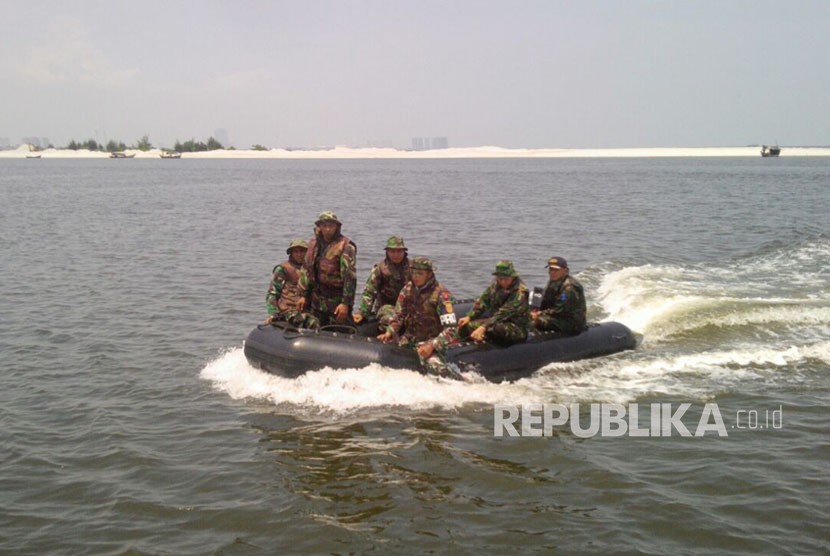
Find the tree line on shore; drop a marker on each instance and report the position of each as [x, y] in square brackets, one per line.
[144, 144]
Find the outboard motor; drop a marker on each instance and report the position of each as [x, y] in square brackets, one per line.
[535, 298]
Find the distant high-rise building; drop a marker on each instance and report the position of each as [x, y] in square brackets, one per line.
[427, 143]
[440, 143]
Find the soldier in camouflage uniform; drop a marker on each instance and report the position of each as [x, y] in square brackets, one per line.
[424, 318]
[385, 282]
[284, 292]
[501, 314]
[563, 302]
[329, 280]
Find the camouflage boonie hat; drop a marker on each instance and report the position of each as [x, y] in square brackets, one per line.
[327, 216]
[395, 242]
[296, 243]
[505, 268]
[421, 263]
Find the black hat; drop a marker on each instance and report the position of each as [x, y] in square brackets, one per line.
[557, 262]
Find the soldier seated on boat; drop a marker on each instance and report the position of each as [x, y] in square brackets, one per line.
[500, 315]
[284, 293]
[424, 318]
[563, 301]
[385, 282]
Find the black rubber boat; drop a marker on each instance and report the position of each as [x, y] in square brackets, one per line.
[290, 352]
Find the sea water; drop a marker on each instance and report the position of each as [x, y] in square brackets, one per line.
[132, 423]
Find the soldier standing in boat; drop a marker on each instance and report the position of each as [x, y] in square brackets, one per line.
[500, 315]
[284, 292]
[329, 279]
[563, 302]
[424, 318]
[385, 282]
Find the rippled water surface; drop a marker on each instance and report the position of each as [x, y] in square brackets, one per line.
[131, 422]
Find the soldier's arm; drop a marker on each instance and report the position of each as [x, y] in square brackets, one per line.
[572, 301]
[448, 337]
[278, 278]
[348, 270]
[515, 305]
[547, 304]
[307, 277]
[370, 292]
[561, 302]
[396, 322]
[481, 305]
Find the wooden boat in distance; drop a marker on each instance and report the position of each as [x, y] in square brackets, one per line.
[766, 151]
[171, 155]
[122, 155]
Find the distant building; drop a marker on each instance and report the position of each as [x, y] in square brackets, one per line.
[429, 143]
[440, 143]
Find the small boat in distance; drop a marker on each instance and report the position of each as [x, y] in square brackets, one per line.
[171, 155]
[766, 151]
[122, 154]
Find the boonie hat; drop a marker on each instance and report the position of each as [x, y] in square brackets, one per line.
[505, 268]
[395, 242]
[421, 263]
[296, 243]
[327, 216]
[557, 262]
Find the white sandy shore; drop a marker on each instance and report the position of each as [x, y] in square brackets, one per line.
[473, 152]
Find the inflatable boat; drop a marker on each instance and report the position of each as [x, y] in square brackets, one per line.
[287, 351]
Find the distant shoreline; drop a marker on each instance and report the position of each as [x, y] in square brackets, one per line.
[449, 153]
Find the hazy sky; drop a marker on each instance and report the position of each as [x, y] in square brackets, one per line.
[515, 73]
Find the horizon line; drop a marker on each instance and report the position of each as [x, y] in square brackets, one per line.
[486, 151]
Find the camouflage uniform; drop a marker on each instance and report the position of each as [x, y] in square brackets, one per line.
[504, 313]
[418, 319]
[329, 277]
[563, 307]
[284, 292]
[385, 282]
